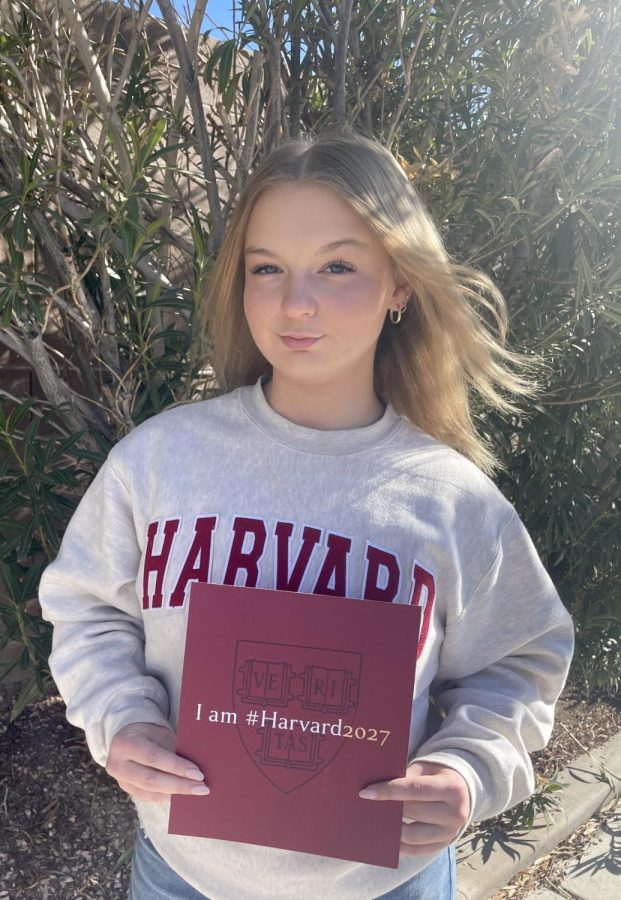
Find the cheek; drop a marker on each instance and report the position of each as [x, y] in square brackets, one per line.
[252, 303]
[247, 302]
[364, 289]
[363, 303]
[258, 295]
[255, 310]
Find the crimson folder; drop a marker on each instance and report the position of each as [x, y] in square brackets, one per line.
[290, 704]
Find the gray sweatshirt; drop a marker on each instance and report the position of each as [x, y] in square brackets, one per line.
[228, 491]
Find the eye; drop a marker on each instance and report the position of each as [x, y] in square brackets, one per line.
[339, 263]
[259, 269]
[342, 264]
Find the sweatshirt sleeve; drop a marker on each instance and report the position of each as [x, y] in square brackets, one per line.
[503, 664]
[88, 593]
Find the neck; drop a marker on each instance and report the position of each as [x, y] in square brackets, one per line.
[316, 406]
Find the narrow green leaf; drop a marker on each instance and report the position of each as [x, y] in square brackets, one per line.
[18, 414]
[154, 137]
[226, 64]
[20, 234]
[29, 693]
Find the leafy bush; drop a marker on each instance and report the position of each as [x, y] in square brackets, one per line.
[116, 178]
[42, 472]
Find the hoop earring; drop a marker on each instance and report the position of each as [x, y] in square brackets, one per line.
[396, 315]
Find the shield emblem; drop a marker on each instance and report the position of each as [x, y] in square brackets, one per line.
[292, 704]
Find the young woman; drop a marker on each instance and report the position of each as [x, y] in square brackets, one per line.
[343, 460]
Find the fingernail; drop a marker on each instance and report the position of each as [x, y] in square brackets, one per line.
[194, 773]
[368, 794]
[200, 789]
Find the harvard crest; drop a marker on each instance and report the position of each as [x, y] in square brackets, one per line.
[291, 704]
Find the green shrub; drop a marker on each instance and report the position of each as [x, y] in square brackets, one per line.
[115, 184]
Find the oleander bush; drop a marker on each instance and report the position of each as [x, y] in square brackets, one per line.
[124, 142]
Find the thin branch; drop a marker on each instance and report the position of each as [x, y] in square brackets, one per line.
[446, 31]
[55, 299]
[362, 95]
[114, 100]
[360, 25]
[251, 115]
[179, 103]
[345, 8]
[12, 340]
[79, 414]
[80, 352]
[116, 18]
[40, 102]
[80, 190]
[98, 83]
[325, 13]
[109, 317]
[580, 400]
[65, 267]
[202, 137]
[11, 65]
[273, 113]
[82, 217]
[295, 98]
[226, 125]
[407, 77]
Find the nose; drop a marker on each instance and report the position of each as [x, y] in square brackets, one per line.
[298, 300]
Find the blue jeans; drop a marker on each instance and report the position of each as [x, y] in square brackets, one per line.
[153, 879]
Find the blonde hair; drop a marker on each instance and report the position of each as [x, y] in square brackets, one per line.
[443, 353]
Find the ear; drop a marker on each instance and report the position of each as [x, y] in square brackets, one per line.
[400, 296]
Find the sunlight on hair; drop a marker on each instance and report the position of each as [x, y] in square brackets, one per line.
[446, 354]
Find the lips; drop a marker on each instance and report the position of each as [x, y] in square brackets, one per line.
[298, 343]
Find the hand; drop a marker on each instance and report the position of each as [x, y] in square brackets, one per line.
[143, 761]
[436, 798]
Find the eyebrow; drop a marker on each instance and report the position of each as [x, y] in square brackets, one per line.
[326, 247]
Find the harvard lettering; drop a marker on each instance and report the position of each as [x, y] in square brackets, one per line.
[245, 561]
[291, 580]
[198, 561]
[156, 562]
[249, 543]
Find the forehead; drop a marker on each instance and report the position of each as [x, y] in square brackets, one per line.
[304, 210]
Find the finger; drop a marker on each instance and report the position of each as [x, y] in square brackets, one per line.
[147, 753]
[421, 849]
[432, 813]
[157, 782]
[422, 788]
[420, 833]
[439, 787]
[136, 794]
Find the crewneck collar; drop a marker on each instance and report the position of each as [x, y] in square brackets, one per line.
[314, 440]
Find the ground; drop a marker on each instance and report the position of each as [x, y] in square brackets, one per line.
[66, 829]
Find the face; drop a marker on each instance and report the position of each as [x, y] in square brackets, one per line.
[318, 285]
